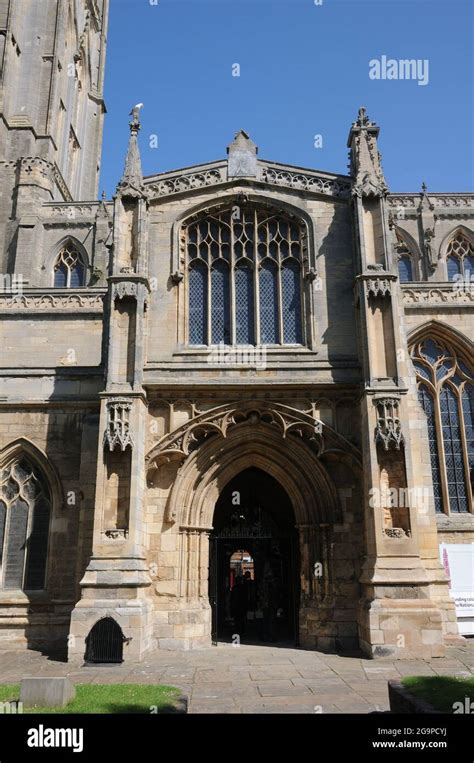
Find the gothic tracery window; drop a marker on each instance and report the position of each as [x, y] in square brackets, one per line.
[69, 270]
[446, 393]
[25, 506]
[244, 278]
[460, 257]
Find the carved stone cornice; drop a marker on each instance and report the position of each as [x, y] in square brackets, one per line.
[56, 300]
[118, 429]
[306, 181]
[388, 432]
[452, 201]
[71, 211]
[446, 295]
[445, 206]
[186, 181]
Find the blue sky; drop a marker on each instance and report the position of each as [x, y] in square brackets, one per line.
[304, 71]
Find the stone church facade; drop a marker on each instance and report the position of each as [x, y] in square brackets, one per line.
[299, 338]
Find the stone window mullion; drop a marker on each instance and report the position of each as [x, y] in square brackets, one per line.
[209, 305]
[233, 331]
[256, 271]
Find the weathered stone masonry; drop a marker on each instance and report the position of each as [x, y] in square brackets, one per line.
[133, 429]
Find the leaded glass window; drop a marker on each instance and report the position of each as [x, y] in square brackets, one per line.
[446, 392]
[220, 303]
[244, 279]
[427, 402]
[25, 506]
[69, 270]
[198, 303]
[268, 278]
[405, 270]
[244, 305]
[460, 257]
[291, 302]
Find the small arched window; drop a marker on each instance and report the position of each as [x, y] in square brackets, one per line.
[25, 507]
[405, 260]
[69, 269]
[446, 393]
[405, 269]
[244, 278]
[460, 258]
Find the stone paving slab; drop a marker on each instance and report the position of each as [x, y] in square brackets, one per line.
[254, 679]
[272, 673]
[281, 688]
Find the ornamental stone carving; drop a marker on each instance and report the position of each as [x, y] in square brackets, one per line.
[388, 431]
[116, 534]
[306, 182]
[395, 532]
[242, 161]
[411, 202]
[365, 159]
[89, 301]
[289, 421]
[124, 289]
[118, 431]
[378, 287]
[408, 202]
[378, 283]
[72, 211]
[426, 295]
[185, 182]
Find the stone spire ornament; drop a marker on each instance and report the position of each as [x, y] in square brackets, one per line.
[131, 183]
[428, 219]
[365, 159]
[242, 161]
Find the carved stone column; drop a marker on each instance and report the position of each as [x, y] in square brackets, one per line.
[116, 582]
[397, 614]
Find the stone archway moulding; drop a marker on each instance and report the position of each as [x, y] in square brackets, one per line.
[287, 443]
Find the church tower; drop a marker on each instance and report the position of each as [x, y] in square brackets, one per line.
[52, 63]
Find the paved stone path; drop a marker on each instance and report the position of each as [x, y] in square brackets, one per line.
[255, 679]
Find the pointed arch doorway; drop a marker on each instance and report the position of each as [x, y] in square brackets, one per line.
[253, 562]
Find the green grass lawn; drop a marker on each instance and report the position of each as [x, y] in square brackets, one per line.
[440, 691]
[106, 698]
